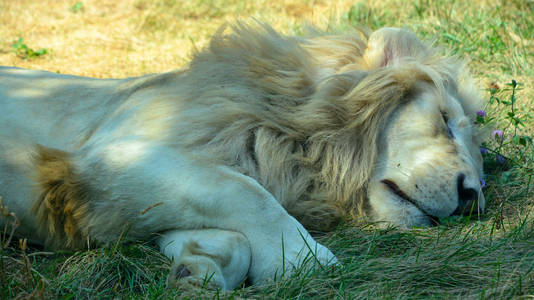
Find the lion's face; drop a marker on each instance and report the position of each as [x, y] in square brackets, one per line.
[428, 165]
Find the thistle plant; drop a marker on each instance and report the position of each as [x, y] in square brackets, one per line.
[509, 153]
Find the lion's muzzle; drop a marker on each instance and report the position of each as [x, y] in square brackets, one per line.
[468, 198]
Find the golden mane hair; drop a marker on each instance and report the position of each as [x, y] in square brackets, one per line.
[303, 115]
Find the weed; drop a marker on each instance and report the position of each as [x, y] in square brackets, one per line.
[11, 223]
[508, 145]
[509, 153]
[77, 7]
[23, 51]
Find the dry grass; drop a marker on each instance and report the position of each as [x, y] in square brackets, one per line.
[131, 37]
[488, 258]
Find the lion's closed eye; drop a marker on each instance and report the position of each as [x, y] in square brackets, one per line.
[445, 117]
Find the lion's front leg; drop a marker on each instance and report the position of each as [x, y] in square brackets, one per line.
[278, 242]
[185, 194]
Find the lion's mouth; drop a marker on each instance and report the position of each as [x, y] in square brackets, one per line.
[394, 188]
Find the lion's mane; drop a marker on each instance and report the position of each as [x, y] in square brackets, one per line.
[303, 115]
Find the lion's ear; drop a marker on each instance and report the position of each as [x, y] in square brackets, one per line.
[386, 46]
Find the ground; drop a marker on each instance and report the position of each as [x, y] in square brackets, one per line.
[487, 257]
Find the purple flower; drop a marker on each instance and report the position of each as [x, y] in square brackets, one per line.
[483, 151]
[498, 133]
[500, 159]
[481, 113]
[482, 183]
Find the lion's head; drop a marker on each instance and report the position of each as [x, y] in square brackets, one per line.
[428, 162]
[405, 149]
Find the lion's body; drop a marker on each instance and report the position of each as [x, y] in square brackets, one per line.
[254, 124]
[56, 111]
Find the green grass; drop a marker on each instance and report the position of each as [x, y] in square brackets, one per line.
[490, 257]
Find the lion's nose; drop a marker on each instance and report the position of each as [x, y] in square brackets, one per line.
[467, 198]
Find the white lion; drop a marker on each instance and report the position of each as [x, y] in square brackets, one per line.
[231, 158]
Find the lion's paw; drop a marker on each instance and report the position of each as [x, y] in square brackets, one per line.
[201, 273]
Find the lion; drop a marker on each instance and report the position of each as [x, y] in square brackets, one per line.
[229, 162]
